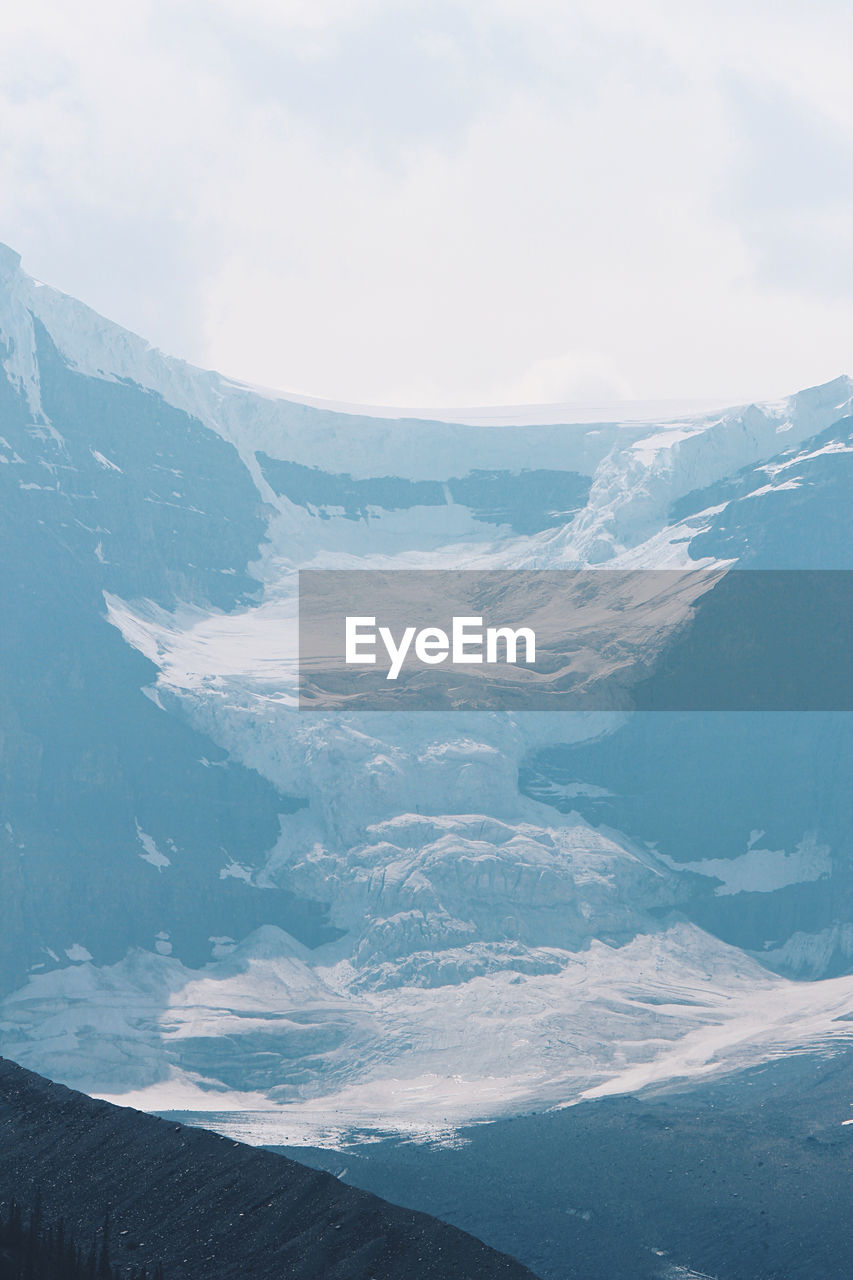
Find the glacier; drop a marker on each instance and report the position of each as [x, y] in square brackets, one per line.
[216, 902]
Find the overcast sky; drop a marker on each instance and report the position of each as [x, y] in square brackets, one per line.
[438, 202]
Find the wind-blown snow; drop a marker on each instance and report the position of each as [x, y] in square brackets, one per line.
[665, 1007]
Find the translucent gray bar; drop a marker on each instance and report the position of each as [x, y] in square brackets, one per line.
[665, 640]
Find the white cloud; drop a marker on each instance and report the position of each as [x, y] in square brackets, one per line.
[457, 202]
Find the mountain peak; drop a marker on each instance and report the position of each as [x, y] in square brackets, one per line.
[9, 261]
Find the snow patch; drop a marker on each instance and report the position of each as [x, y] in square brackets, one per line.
[105, 462]
[150, 852]
[763, 870]
[236, 871]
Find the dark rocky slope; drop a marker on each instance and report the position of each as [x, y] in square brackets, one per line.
[209, 1208]
[748, 1177]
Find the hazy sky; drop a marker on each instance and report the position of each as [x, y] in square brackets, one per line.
[447, 201]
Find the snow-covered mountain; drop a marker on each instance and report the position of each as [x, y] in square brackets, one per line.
[215, 900]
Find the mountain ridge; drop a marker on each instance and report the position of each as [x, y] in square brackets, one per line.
[200, 1204]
